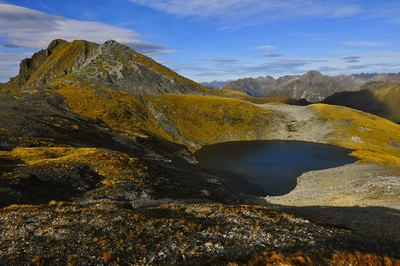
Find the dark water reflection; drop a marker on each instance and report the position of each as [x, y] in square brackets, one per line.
[269, 167]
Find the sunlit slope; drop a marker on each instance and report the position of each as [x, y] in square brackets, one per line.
[196, 121]
[192, 120]
[245, 97]
[202, 120]
[373, 138]
[115, 109]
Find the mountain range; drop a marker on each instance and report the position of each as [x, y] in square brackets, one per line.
[312, 86]
[97, 165]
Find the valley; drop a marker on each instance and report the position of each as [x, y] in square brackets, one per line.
[97, 165]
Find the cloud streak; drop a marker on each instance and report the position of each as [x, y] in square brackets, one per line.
[9, 63]
[365, 43]
[351, 57]
[245, 13]
[219, 60]
[279, 66]
[28, 28]
[266, 47]
[271, 55]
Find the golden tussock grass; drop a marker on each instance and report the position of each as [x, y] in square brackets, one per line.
[63, 58]
[257, 100]
[274, 258]
[115, 167]
[119, 111]
[371, 137]
[211, 119]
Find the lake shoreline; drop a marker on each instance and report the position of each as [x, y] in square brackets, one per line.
[269, 167]
[361, 197]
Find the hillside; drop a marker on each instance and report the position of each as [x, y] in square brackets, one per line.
[379, 98]
[97, 166]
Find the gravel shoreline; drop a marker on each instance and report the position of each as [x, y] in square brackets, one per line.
[364, 198]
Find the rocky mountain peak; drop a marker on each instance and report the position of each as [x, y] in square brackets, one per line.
[314, 77]
[313, 73]
[53, 44]
[111, 65]
[29, 65]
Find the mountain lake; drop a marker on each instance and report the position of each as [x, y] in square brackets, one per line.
[269, 167]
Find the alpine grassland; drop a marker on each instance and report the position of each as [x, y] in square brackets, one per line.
[118, 110]
[373, 139]
[207, 120]
[245, 97]
[114, 167]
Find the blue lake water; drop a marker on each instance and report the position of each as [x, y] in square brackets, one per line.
[264, 168]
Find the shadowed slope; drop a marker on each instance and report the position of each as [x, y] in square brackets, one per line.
[379, 98]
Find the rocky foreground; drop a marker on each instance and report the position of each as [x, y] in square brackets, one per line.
[304, 227]
[99, 233]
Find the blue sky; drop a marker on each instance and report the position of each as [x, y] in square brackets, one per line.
[208, 40]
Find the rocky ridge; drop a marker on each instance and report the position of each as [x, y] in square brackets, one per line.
[113, 65]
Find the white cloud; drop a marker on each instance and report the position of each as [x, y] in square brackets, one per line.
[266, 47]
[365, 43]
[24, 27]
[245, 13]
[9, 63]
